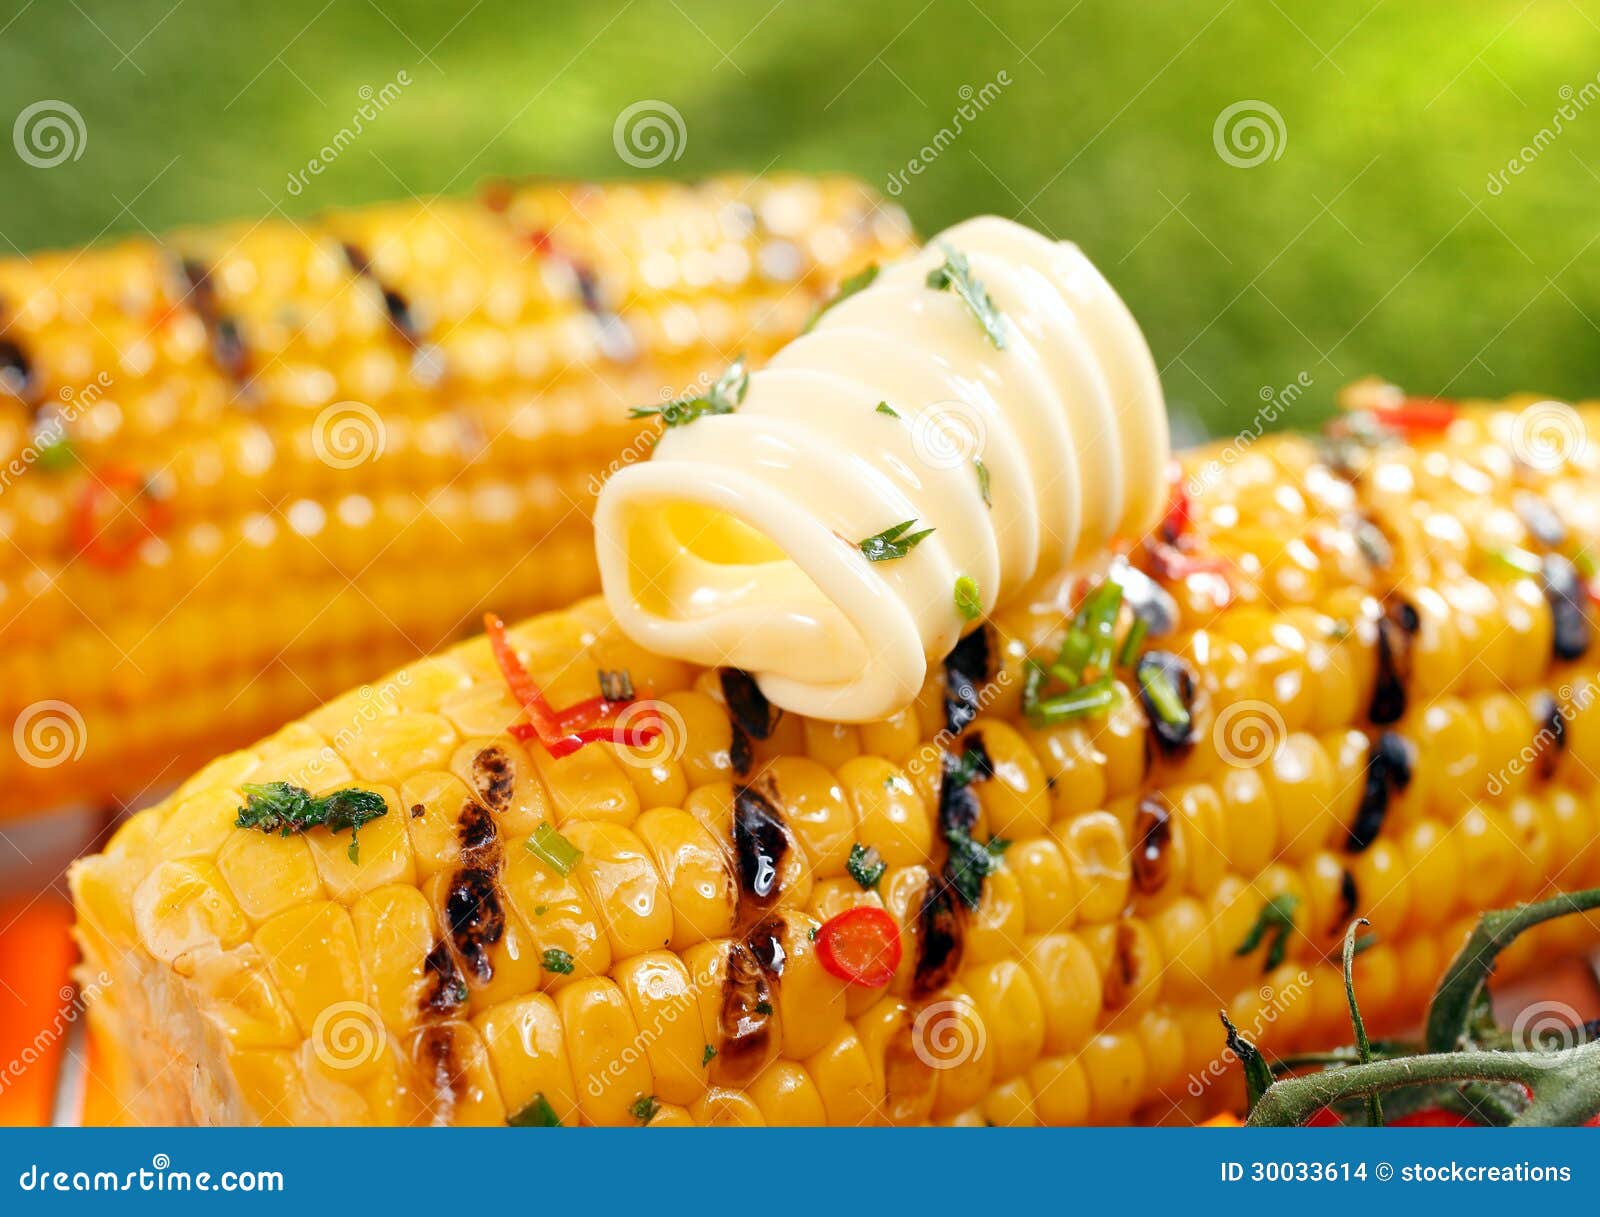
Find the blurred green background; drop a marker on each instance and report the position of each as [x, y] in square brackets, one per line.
[1371, 238]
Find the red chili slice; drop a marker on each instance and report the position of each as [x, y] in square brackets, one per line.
[1415, 415]
[861, 946]
[97, 531]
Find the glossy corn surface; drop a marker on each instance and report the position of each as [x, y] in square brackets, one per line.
[1392, 715]
[245, 468]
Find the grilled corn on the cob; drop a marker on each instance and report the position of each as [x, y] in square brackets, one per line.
[1362, 686]
[251, 466]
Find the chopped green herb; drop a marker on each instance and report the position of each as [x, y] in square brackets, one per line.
[968, 602]
[537, 1114]
[1340, 629]
[885, 408]
[971, 766]
[998, 845]
[284, 809]
[1045, 711]
[1132, 641]
[558, 961]
[764, 1007]
[956, 275]
[969, 865]
[644, 1108]
[1093, 631]
[866, 867]
[724, 397]
[862, 278]
[1277, 919]
[892, 543]
[539, 910]
[1586, 564]
[983, 480]
[811, 934]
[705, 1057]
[56, 454]
[1162, 694]
[554, 850]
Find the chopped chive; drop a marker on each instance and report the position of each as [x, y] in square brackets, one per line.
[558, 961]
[723, 397]
[983, 480]
[968, 602]
[554, 850]
[644, 1108]
[1090, 638]
[866, 867]
[885, 408]
[1075, 703]
[956, 275]
[892, 543]
[1132, 641]
[537, 1114]
[705, 1057]
[1162, 694]
[849, 287]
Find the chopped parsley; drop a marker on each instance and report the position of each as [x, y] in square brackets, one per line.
[764, 1007]
[644, 1108]
[956, 275]
[537, 1114]
[554, 850]
[885, 408]
[971, 862]
[1277, 919]
[865, 865]
[983, 480]
[849, 287]
[724, 397]
[705, 1057]
[539, 910]
[892, 542]
[968, 602]
[558, 961]
[284, 809]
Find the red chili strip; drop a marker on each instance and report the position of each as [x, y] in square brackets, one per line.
[563, 732]
[1180, 512]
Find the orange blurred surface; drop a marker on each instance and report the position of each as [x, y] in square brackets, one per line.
[36, 1014]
